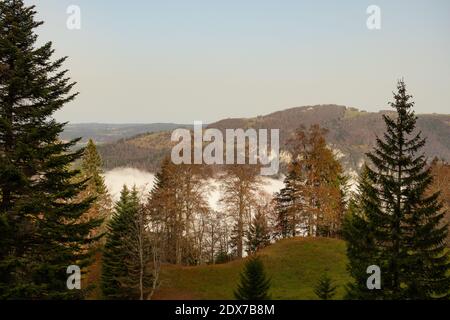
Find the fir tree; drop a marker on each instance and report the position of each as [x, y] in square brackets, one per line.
[139, 279]
[91, 171]
[361, 243]
[254, 284]
[116, 255]
[41, 233]
[286, 204]
[258, 235]
[91, 167]
[395, 224]
[324, 288]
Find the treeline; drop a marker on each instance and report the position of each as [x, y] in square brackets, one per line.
[54, 218]
[174, 223]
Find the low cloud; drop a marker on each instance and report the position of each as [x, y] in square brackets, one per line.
[115, 179]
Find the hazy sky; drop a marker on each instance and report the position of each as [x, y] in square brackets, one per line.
[180, 61]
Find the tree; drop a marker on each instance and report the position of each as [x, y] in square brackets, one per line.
[254, 284]
[287, 206]
[441, 176]
[127, 251]
[239, 187]
[91, 171]
[324, 288]
[312, 201]
[258, 235]
[42, 234]
[395, 224]
[176, 202]
[141, 253]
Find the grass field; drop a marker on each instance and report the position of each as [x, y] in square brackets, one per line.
[294, 265]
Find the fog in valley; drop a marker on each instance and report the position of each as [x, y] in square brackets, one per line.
[115, 179]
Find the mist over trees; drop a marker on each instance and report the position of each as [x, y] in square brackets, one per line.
[53, 217]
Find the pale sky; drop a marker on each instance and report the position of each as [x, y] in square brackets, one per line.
[141, 61]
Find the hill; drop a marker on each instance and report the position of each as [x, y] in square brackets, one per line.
[351, 133]
[294, 265]
[106, 133]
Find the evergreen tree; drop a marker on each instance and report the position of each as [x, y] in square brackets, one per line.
[286, 206]
[41, 232]
[395, 224]
[324, 288]
[91, 167]
[361, 243]
[116, 256]
[258, 235]
[91, 171]
[165, 210]
[254, 284]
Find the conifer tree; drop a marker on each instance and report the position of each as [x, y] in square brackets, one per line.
[324, 288]
[395, 224]
[91, 171]
[116, 255]
[139, 279]
[41, 233]
[165, 210]
[254, 284]
[286, 206]
[258, 235]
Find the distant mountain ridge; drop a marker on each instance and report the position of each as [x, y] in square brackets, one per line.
[107, 132]
[351, 133]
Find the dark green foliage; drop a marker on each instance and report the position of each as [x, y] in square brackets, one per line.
[114, 266]
[127, 238]
[393, 223]
[324, 288]
[286, 207]
[258, 235]
[222, 257]
[91, 167]
[41, 232]
[91, 171]
[254, 284]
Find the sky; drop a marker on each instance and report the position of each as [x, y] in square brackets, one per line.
[144, 61]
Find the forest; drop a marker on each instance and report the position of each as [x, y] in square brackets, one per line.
[56, 211]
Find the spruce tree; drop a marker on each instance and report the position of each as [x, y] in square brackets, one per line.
[91, 171]
[324, 288]
[254, 284]
[41, 233]
[286, 201]
[116, 256]
[396, 225]
[139, 245]
[91, 167]
[258, 235]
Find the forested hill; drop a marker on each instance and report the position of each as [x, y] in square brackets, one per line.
[351, 134]
[108, 133]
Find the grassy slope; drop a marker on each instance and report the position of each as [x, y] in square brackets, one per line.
[294, 265]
